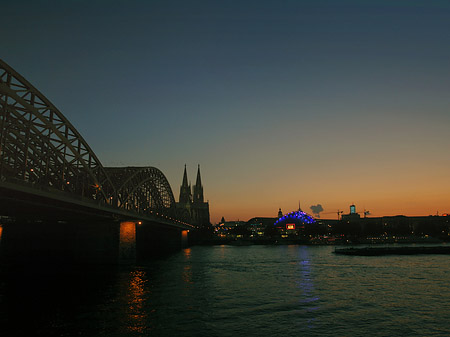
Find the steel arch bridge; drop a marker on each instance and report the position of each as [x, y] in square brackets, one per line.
[41, 149]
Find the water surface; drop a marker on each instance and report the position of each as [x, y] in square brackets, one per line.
[233, 291]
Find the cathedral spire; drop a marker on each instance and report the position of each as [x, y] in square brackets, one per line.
[199, 179]
[198, 188]
[185, 179]
[185, 189]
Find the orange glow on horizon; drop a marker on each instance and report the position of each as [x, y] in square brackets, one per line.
[378, 207]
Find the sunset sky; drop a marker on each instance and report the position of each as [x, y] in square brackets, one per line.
[322, 102]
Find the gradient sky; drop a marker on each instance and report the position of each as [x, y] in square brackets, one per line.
[330, 102]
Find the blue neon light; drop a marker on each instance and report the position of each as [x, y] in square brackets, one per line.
[305, 218]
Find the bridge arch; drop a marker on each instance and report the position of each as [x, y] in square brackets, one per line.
[142, 189]
[39, 146]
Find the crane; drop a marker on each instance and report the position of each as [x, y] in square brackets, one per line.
[365, 213]
[338, 212]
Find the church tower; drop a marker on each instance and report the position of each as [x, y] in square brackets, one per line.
[185, 190]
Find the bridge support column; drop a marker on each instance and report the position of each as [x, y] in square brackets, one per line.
[127, 243]
[154, 240]
[184, 239]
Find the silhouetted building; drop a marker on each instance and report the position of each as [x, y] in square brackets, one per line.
[261, 226]
[192, 200]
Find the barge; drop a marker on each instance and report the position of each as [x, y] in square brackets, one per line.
[377, 251]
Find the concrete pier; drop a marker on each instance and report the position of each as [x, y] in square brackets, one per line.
[154, 240]
[88, 242]
[127, 242]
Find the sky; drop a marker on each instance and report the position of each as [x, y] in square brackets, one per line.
[280, 102]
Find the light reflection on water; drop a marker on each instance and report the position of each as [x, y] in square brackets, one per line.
[305, 283]
[235, 291]
[187, 269]
[136, 312]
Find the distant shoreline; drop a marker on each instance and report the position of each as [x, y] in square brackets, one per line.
[378, 251]
[322, 242]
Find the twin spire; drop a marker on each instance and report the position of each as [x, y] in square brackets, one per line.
[185, 189]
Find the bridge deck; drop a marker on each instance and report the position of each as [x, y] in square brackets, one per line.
[24, 201]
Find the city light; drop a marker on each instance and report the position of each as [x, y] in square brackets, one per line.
[296, 215]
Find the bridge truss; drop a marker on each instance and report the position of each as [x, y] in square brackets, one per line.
[142, 189]
[41, 149]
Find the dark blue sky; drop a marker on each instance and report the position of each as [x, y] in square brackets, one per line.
[329, 102]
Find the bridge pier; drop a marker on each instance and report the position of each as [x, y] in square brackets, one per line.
[127, 242]
[88, 242]
[184, 239]
[154, 240]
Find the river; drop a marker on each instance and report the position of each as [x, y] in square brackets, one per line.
[232, 291]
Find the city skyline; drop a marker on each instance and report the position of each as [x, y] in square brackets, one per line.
[312, 101]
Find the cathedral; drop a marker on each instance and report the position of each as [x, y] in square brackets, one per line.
[191, 201]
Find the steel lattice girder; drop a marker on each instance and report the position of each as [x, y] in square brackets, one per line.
[142, 189]
[39, 145]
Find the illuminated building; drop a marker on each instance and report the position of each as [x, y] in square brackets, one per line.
[295, 223]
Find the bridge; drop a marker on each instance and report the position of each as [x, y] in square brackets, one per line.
[50, 178]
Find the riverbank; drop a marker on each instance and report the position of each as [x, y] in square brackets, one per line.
[378, 251]
[332, 241]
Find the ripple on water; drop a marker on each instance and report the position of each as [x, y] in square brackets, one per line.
[238, 291]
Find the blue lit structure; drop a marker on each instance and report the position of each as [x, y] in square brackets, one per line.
[296, 217]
